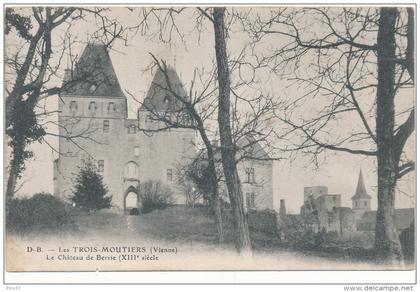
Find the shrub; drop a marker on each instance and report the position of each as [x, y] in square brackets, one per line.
[263, 220]
[90, 192]
[41, 212]
[154, 196]
[407, 238]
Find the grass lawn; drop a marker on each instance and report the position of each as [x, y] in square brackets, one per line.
[191, 230]
[185, 224]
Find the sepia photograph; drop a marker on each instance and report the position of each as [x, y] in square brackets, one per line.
[209, 138]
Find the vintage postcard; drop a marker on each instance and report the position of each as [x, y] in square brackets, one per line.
[184, 138]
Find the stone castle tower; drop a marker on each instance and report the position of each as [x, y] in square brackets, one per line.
[361, 199]
[93, 124]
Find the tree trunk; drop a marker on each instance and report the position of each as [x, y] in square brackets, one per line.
[12, 179]
[215, 197]
[243, 243]
[387, 243]
[218, 216]
[215, 201]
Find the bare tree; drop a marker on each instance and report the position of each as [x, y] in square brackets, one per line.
[352, 67]
[228, 149]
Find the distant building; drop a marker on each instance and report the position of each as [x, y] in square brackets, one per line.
[314, 192]
[323, 211]
[361, 199]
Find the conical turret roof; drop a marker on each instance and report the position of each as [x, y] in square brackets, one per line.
[251, 148]
[159, 98]
[93, 75]
[361, 192]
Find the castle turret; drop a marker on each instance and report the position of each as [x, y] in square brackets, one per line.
[93, 75]
[163, 100]
[361, 199]
[92, 108]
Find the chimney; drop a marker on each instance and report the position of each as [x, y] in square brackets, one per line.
[282, 208]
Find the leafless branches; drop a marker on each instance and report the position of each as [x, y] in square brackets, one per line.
[334, 65]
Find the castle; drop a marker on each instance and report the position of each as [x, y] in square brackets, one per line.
[93, 124]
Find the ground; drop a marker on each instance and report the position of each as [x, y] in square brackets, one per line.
[182, 239]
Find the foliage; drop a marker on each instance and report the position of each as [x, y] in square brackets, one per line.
[90, 192]
[41, 212]
[154, 196]
[23, 130]
[407, 238]
[21, 23]
[264, 221]
[198, 172]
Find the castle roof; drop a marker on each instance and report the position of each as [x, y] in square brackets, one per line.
[402, 219]
[361, 192]
[93, 75]
[159, 98]
[251, 148]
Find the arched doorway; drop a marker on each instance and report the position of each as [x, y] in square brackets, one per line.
[131, 202]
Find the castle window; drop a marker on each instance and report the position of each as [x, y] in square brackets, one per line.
[169, 174]
[136, 151]
[356, 204]
[101, 166]
[92, 107]
[365, 204]
[166, 99]
[112, 106]
[131, 129]
[106, 126]
[131, 170]
[250, 200]
[250, 175]
[73, 106]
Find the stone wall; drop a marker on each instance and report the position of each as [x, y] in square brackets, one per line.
[315, 192]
